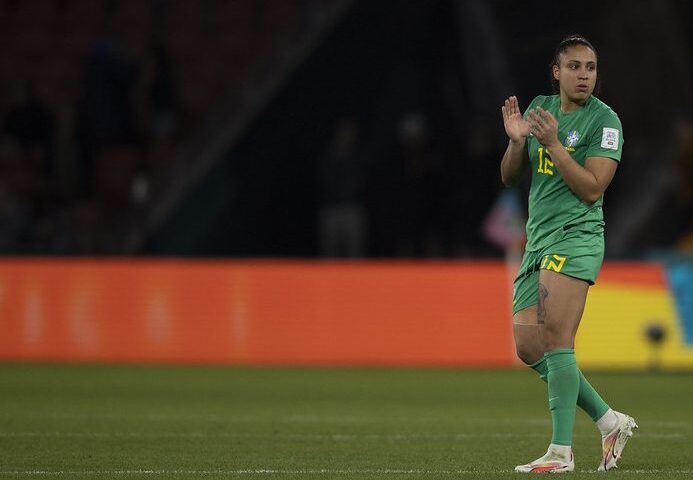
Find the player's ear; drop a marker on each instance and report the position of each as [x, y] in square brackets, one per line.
[555, 69]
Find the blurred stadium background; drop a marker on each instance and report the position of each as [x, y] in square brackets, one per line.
[316, 183]
[235, 132]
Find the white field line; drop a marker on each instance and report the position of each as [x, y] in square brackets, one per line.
[309, 471]
[165, 417]
[308, 436]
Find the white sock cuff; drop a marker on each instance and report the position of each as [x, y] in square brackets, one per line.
[607, 422]
[562, 450]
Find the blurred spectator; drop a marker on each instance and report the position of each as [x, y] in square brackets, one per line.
[25, 168]
[156, 114]
[504, 226]
[15, 211]
[107, 99]
[67, 176]
[683, 160]
[161, 93]
[477, 191]
[28, 121]
[420, 191]
[15, 220]
[342, 217]
[31, 126]
[106, 116]
[683, 175]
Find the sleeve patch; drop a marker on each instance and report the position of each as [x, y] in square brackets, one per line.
[610, 138]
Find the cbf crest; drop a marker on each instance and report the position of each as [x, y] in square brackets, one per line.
[572, 138]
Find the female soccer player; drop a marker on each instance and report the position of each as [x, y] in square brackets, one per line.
[572, 143]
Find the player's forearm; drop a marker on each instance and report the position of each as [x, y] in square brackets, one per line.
[580, 180]
[511, 165]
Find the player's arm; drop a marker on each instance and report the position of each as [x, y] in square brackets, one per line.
[517, 129]
[588, 182]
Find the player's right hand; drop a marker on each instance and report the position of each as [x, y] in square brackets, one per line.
[516, 127]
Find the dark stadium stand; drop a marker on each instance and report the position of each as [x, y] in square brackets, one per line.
[98, 95]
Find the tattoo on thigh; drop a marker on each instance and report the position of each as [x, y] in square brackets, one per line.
[541, 308]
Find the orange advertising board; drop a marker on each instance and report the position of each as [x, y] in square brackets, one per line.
[265, 312]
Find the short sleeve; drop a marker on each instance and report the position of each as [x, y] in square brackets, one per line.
[607, 139]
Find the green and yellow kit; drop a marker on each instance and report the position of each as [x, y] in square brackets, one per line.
[565, 234]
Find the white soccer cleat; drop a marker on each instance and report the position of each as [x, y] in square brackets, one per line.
[552, 462]
[615, 441]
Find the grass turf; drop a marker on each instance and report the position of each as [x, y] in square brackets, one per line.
[65, 421]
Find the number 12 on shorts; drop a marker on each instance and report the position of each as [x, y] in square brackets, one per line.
[553, 262]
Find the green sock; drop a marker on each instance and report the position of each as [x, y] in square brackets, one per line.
[540, 367]
[564, 384]
[588, 398]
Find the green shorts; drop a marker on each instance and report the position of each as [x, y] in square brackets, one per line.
[574, 250]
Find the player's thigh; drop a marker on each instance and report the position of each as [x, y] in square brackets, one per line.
[526, 316]
[561, 303]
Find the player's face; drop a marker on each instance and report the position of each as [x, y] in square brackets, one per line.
[577, 73]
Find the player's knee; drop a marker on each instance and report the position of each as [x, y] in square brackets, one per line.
[529, 354]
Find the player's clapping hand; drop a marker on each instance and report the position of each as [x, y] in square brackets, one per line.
[543, 126]
[516, 127]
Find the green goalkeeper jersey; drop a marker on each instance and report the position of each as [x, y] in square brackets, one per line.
[593, 130]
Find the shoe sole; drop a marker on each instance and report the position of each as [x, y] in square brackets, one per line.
[564, 469]
[625, 433]
[557, 467]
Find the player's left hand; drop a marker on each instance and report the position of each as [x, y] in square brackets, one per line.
[543, 126]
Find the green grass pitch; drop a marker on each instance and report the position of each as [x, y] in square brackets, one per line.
[144, 422]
